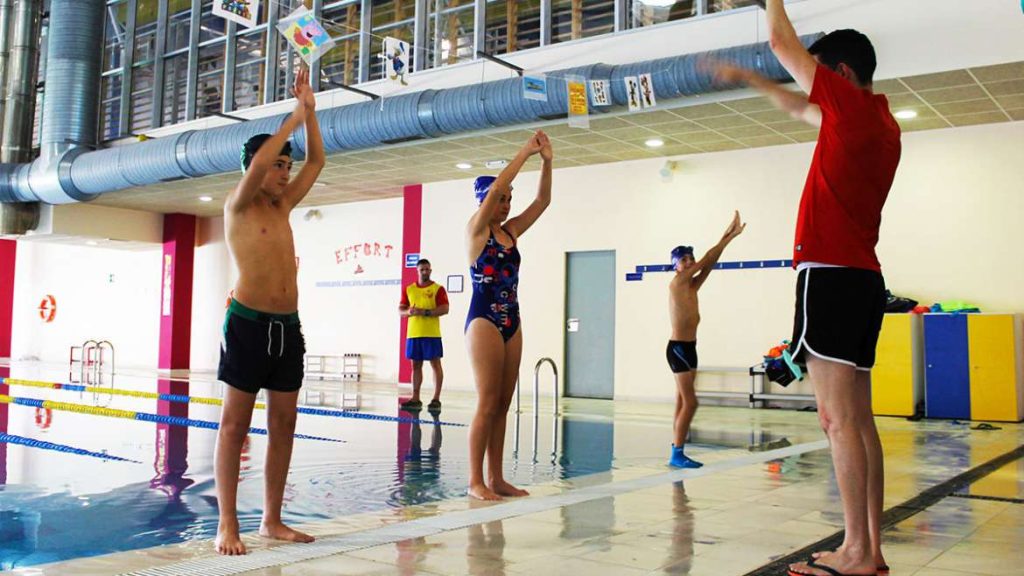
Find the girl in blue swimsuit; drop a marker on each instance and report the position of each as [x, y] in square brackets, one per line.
[492, 328]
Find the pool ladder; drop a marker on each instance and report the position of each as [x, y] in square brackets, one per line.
[92, 361]
[536, 411]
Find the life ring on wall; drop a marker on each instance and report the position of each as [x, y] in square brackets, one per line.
[44, 418]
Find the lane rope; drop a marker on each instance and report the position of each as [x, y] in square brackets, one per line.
[140, 416]
[44, 445]
[183, 399]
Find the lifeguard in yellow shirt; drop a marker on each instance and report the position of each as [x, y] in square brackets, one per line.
[424, 302]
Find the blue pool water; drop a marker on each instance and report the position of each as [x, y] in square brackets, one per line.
[57, 505]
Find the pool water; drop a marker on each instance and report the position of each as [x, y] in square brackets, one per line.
[58, 505]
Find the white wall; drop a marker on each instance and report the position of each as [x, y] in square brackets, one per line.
[342, 310]
[214, 276]
[948, 232]
[101, 293]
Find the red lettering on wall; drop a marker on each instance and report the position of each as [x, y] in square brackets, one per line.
[364, 249]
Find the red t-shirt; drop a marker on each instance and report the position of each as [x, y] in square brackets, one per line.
[851, 174]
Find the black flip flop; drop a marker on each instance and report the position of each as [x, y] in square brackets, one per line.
[829, 569]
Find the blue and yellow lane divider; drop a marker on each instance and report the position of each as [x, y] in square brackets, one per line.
[44, 445]
[132, 415]
[180, 398]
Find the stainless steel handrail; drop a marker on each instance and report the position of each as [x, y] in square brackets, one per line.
[536, 411]
[536, 407]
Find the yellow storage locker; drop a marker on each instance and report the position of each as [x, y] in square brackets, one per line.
[897, 380]
[997, 390]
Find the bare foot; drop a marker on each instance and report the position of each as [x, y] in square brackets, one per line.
[481, 492]
[279, 531]
[505, 489]
[228, 542]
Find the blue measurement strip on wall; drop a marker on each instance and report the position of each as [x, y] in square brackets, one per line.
[739, 265]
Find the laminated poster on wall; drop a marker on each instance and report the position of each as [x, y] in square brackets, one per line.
[396, 60]
[600, 93]
[633, 93]
[579, 109]
[535, 86]
[244, 12]
[647, 91]
[305, 34]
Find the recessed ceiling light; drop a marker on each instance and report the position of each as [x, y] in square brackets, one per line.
[463, 165]
[655, 143]
[206, 198]
[906, 114]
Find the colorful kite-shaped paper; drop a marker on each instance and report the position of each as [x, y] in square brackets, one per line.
[245, 12]
[305, 34]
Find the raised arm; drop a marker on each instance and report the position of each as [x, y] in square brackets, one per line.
[797, 105]
[520, 224]
[480, 221]
[706, 264]
[315, 156]
[249, 187]
[787, 46]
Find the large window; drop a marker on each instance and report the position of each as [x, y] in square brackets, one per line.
[575, 19]
[512, 25]
[185, 62]
[175, 89]
[210, 84]
[141, 116]
[343, 21]
[249, 68]
[395, 19]
[449, 32]
[179, 25]
[114, 38]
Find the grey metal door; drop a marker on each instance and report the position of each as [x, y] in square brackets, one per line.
[590, 324]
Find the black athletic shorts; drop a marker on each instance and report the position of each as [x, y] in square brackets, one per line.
[261, 351]
[839, 315]
[682, 356]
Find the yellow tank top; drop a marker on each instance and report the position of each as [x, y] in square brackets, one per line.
[424, 298]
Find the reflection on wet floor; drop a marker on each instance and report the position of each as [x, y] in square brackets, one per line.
[730, 521]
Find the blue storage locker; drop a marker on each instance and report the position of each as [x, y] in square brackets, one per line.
[947, 371]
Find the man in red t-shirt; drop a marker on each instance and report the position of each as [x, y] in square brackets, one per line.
[840, 290]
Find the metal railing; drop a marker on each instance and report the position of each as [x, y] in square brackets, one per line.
[556, 414]
[92, 361]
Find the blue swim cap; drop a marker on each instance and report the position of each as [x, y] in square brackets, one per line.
[679, 252]
[481, 186]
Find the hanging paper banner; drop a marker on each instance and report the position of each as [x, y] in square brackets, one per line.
[647, 91]
[633, 93]
[306, 35]
[535, 87]
[579, 112]
[396, 60]
[245, 12]
[600, 93]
